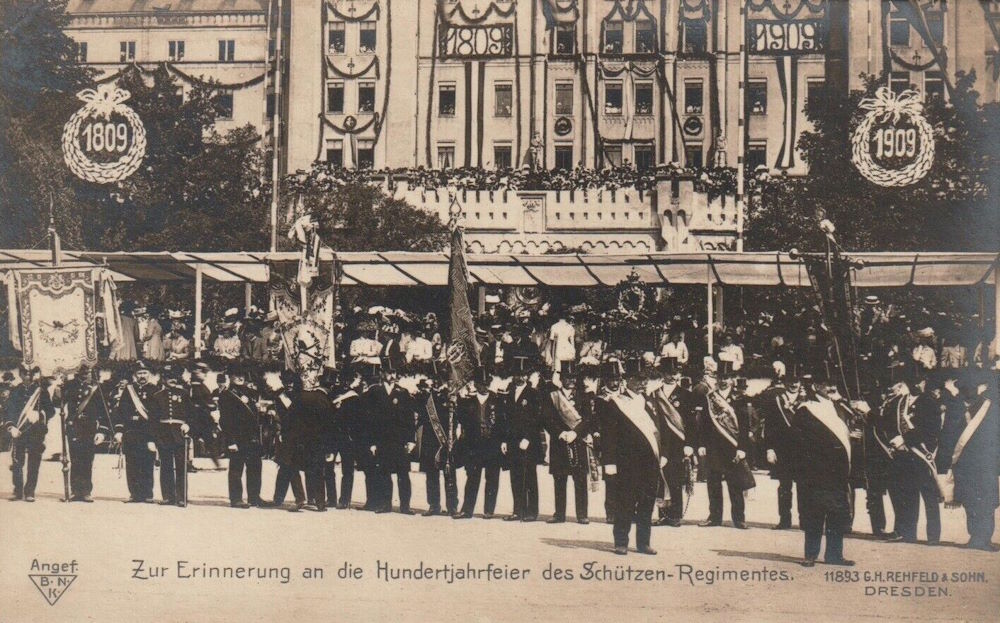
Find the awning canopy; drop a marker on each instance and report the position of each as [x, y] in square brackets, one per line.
[431, 269]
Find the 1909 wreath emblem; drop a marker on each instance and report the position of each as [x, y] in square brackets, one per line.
[104, 141]
[894, 144]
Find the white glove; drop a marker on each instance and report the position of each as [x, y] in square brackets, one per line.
[233, 447]
[15, 432]
[503, 447]
[98, 439]
[663, 461]
[373, 448]
[701, 451]
[524, 444]
[897, 442]
[688, 450]
[772, 458]
[151, 446]
[330, 458]
[740, 455]
[568, 436]
[410, 446]
[610, 470]
[185, 429]
[118, 437]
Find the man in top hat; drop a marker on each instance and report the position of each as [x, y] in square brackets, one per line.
[435, 440]
[633, 453]
[723, 441]
[170, 409]
[778, 404]
[483, 433]
[289, 452]
[348, 406]
[974, 460]
[87, 425]
[674, 405]
[568, 456]
[525, 444]
[823, 469]
[30, 406]
[314, 409]
[911, 422]
[240, 423]
[133, 431]
[392, 413]
[203, 403]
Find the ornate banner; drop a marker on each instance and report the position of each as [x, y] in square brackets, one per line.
[58, 329]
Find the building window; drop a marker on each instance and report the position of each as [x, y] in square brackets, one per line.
[613, 154]
[367, 42]
[935, 25]
[366, 154]
[269, 106]
[695, 33]
[81, 51]
[335, 152]
[693, 156]
[126, 52]
[564, 98]
[226, 105]
[644, 98]
[446, 100]
[564, 157]
[933, 84]
[899, 30]
[175, 50]
[335, 98]
[815, 96]
[644, 157]
[503, 99]
[227, 50]
[446, 156]
[366, 97]
[614, 36]
[757, 97]
[899, 81]
[337, 38]
[756, 155]
[694, 97]
[613, 98]
[501, 156]
[645, 37]
[566, 39]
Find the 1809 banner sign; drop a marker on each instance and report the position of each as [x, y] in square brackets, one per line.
[104, 141]
[495, 41]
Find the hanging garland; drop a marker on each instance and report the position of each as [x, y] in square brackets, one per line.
[761, 5]
[359, 74]
[185, 77]
[564, 14]
[494, 8]
[380, 119]
[374, 10]
[643, 70]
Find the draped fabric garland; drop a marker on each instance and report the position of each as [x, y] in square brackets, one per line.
[185, 77]
[371, 14]
[916, 19]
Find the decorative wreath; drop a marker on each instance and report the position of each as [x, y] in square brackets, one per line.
[101, 104]
[885, 107]
[631, 295]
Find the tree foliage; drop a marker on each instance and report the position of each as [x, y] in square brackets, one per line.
[956, 207]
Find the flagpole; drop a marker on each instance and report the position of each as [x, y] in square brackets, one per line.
[741, 131]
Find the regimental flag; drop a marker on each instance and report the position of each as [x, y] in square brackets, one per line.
[57, 318]
[831, 280]
[463, 350]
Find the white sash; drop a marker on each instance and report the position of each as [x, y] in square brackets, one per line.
[634, 408]
[664, 401]
[780, 399]
[970, 430]
[139, 407]
[31, 405]
[826, 413]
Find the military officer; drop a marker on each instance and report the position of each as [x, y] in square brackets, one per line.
[568, 456]
[30, 406]
[393, 420]
[241, 431]
[525, 445]
[132, 430]
[778, 404]
[673, 404]
[483, 431]
[435, 442]
[170, 409]
[723, 441]
[87, 426]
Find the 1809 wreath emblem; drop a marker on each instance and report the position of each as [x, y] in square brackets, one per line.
[104, 141]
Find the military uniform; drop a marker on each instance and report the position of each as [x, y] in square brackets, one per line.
[674, 405]
[483, 425]
[778, 408]
[567, 458]
[434, 449]
[131, 420]
[27, 448]
[241, 427]
[315, 410]
[523, 408]
[86, 416]
[170, 409]
[723, 433]
[393, 420]
[348, 406]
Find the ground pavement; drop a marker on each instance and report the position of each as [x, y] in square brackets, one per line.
[699, 574]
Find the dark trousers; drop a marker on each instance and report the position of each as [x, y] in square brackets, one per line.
[980, 523]
[633, 504]
[609, 497]
[450, 490]
[875, 503]
[382, 489]
[674, 510]
[139, 465]
[715, 498]
[524, 486]
[172, 465]
[908, 509]
[250, 460]
[579, 494]
[315, 485]
[26, 452]
[346, 477]
[785, 501]
[288, 476]
[824, 511]
[81, 467]
[472, 477]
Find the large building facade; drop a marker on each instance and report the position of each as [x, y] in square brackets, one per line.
[556, 83]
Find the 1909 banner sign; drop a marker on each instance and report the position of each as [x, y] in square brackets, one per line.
[786, 37]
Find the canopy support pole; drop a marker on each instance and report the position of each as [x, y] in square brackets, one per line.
[708, 328]
[247, 298]
[996, 303]
[197, 312]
